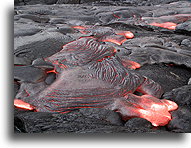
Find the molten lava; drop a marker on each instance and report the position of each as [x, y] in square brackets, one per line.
[59, 65]
[130, 64]
[127, 34]
[152, 109]
[167, 25]
[158, 114]
[21, 104]
[52, 71]
[170, 104]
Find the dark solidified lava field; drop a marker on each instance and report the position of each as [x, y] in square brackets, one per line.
[42, 27]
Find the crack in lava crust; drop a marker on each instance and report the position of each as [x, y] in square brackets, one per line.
[90, 75]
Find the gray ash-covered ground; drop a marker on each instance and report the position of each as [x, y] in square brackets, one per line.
[164, 55]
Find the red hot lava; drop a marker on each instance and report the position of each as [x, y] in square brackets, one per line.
[127, 34]
[21, 104]
[167, 25]
[114, 40]
[130, 64]
[52, 71]
[157, 113]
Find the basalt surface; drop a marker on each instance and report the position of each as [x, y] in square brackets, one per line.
[162, 54]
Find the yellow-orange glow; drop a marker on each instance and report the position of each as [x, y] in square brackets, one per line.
[127, 34]
[167, 25]
[21, 104]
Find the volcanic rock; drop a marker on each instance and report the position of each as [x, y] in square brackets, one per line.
[181, 121]
[181, 95]
[29, 89]
[102, 114]
[68, 2]
[40, 45]
[96, 2]
[51, 77]
[21, 29]
[189, 82]
[36, 18]
[21, 61]
[16, 88]
[65, 29]
[186, 43]
[28, 74]
[184, 27]
[176, 76]
[138, 123]
[76, 122]
[150, 50]
[33, 2]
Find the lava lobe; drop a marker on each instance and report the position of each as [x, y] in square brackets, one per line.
[91, 75]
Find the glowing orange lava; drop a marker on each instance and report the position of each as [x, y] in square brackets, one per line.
[52, 71]
[167, 25]
[156, 118]
[127, 34]
[21, 104]
[157, 113]
[130, 64]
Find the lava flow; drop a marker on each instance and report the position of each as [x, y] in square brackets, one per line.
[21, 104]
[127, 34]
[114, 40]
[88, 51]
[158, 113]
[167, 25]
[52, 71]
[92, 76]
[130, 64]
